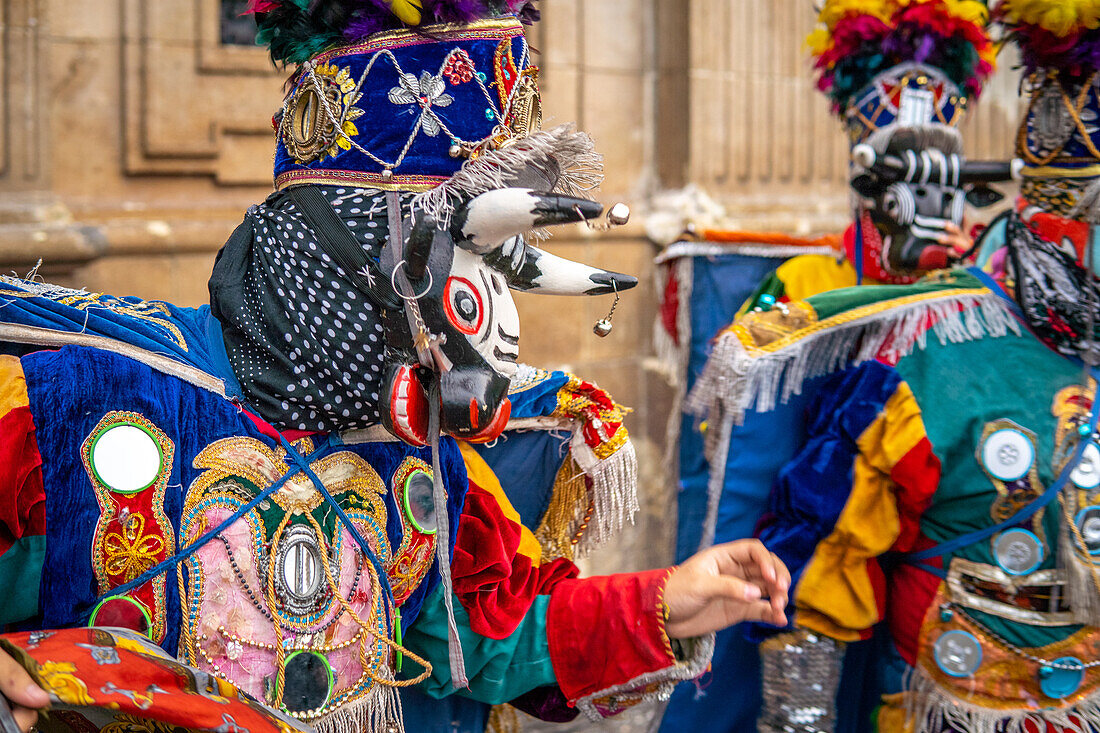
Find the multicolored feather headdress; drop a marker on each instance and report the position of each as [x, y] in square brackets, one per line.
[910, 62]
[297, 30]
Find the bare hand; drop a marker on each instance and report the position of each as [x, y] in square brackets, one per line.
[724, 585]
[955, 238]
[25, 696]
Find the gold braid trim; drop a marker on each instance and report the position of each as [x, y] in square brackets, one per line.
[570, 505]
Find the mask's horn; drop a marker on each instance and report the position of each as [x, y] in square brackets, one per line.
[418, 247]
[532, 269]
[486, 221]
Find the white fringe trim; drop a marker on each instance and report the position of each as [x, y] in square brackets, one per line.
[563, 148]
[735, 380]
[372, 713]
[614, 491]
[931, 708]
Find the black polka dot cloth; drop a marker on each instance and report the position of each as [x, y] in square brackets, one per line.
[305, 344]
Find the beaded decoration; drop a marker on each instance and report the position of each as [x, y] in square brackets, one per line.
[414, 556]
[133, 533]
[289, 578]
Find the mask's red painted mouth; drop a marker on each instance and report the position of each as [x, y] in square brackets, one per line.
[495, 427]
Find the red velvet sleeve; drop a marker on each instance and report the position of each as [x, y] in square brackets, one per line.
[607, 631]
[494, 581]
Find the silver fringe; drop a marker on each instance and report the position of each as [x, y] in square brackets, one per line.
[614, 491]
[377, 712]
[932, 709]
[736, 380]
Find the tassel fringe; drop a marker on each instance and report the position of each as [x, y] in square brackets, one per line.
[379, 710]
[614, 492]
[931, 709]
[735, 380]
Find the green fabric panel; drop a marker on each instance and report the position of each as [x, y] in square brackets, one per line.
[832, 302]
[498, 670]
[770, 285]
[20, 576]
[960, 390]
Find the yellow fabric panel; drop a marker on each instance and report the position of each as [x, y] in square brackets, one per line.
[480, 473]
[892, 716]
[807, 275]
[13, 385]
[835, 595]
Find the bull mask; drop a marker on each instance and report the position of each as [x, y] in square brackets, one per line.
[459, 276]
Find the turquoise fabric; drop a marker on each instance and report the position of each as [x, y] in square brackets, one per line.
[499, 671]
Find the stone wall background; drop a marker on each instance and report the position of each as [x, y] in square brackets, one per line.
[132, 139]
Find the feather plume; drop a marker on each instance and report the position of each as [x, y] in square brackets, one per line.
[856, 40]
[1061, 34]
[296, 30]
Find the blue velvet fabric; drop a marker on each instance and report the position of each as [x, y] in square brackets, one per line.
[162, 328]
[812, 489]
[387, 124]
[538, 397]
[728, 696]
[70, 390]
[527, 462]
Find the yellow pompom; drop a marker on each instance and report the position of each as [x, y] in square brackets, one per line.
[836, 10]
[408, 12]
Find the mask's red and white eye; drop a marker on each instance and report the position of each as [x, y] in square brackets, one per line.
[463, 305]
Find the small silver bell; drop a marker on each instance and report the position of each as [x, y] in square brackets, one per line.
[455, 151]
[619, 214]
[602, 327]
[387, 175]
[392, 728]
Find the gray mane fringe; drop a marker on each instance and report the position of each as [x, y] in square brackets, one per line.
[561, 150]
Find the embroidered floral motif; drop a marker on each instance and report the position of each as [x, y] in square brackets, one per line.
[459, 68]
[428, 91]
[133, 532]
[131, 552]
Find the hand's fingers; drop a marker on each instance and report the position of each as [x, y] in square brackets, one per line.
[763, 611]
[732, 589]
[744, 558]
[18, 686]
[24, 718]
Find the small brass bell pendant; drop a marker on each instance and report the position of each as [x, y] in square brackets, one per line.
[603, 326]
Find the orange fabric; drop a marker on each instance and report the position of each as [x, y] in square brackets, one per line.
[777, 238]
[13, 385]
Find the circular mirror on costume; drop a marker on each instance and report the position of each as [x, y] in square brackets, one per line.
[309, 681]
[126, 458]
[1086, 475]
[122, 612]
[1088, 524]
[1008, 454]
[419, 502]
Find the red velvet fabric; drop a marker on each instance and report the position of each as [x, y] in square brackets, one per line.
[590, 617]
[23, 509]
[912, 591]
[495, 583]
[917, 475]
